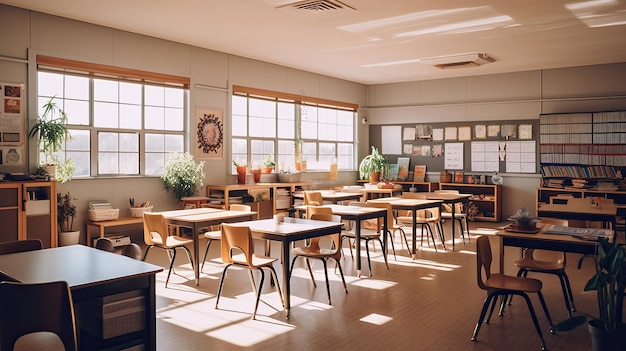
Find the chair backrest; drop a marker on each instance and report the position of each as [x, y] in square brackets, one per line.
[32, 308]
[155, 229]
[235, 240]
[336, 238]
[132, 250]
[311, 210]
[20, 246]
[483, 260]
[104, 244]
[313, 198]
[387, 205]
[420, 213]
[240, 207]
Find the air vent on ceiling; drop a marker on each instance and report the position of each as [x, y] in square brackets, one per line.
[316, 7]
[458, 61]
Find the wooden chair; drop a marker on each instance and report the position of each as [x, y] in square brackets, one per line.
[549, 262]
[238, 250]
[313, 250]
[37, 317]
[497, 284]
[393, 227]
[425, 218]
[216, 231]
[156, 234]
[20, 246]
[104, 244]
[313, 198]
[460, 216]
[367, 235]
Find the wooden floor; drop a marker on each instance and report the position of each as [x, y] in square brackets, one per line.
[430, 303]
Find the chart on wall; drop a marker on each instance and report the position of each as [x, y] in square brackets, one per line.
[12, 135]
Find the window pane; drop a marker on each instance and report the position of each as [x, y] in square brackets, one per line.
[174, 119]
[105, 115]
[130, 116]
[105, 90]
[129, 163]
[130, 93]
[49, 85]
[129, 142]
[309, 122]
[107, 142]
[173, 97]
[174, 143]
[155, 143]
[77, 112]
[240, 153]
[259, 151]
[154, 118]
[155, 163]
[240, 126]
[286, 120]
[154, 96]
[108, 163]
[76, 88]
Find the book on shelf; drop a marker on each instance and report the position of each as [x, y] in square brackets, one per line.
[403, 168]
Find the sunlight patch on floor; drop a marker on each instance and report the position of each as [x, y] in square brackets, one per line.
[377, 319]
[250, 332]
[374, 284]
[315, 306]
[483, 231]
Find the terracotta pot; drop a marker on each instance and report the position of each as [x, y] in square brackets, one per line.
[257, 175]
[241, 174]
[374, 177]
[267, 170]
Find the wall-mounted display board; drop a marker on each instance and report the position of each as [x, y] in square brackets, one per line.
[597, 138]
[481, 147]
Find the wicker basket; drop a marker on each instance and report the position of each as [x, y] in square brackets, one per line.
[138, 211]
[103, 214]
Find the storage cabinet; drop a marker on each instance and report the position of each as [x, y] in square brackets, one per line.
[28, 210]
[488, 199]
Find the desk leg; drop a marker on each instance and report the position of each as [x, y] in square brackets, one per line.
[358, 247]
[385, 236]
[452, 224]
[196, 255]
[286, 273]
[501, 255]
[413, 245]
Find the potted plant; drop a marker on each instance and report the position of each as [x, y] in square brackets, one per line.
[241, 172]
[52, 132]
[183, 176]
[524, 219]
[268, 164]
[66, 212]
[608, 332]
[374, 166]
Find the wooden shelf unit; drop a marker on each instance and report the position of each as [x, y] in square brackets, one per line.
[547, 195]
[490, 206]
[422, 187]
[261, 192]
[28, 210]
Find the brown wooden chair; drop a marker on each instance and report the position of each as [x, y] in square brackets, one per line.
[549, 262]
[313, 250]
[460, 215]
[216, 231]
[156, 234]
[497, 284]
[238, 250]
[367, 235]
[104, 244]
[428, 218]
[20, 246]
[35, 316]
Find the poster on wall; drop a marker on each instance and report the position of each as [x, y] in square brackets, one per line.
[453, 156]
[209, 133]
[12, 114]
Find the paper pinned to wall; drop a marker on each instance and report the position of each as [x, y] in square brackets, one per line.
[453, 156]
[391, 140]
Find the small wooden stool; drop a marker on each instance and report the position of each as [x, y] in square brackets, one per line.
[193, 201]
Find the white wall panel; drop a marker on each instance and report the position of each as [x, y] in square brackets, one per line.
[587, 81]
[209, 68]
[257, 74]
[443, 91]
[15, 32]
[504, 87]
[150, 54]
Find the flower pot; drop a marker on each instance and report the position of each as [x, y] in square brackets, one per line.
[241, 174]
[603, 340]
[266, 170]
[69, 238]
[257, 174]
[375, 177]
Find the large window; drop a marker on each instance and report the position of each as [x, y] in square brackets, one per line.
[122, 122]
[296, 130]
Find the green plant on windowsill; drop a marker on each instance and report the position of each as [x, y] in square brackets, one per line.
[183, 176]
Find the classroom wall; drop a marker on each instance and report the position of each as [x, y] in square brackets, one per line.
[500, 97]
[211, 73]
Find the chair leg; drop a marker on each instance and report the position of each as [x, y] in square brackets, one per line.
[145, 254]
[275, 278]
[172, 258]
[345, 286]
[369, 262]
[432, 236]
[493, 307]
[441, 236]
[483, 312]
[564, 288]
[406, 242]
[569, 291]
[188, 255]
[219, 289]
[308, 266]
[393, 249]
[327, 282]
[258, 292]
[534, 317]
[545, 309]
[206, 251]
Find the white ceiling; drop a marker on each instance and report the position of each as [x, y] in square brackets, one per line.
[374, 41]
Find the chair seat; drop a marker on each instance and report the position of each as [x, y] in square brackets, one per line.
[257, 261]
[420, 220]
[448, 215]
[536, 265]
[312, 251]
[213, 235]
[506, 282]
[173, 240]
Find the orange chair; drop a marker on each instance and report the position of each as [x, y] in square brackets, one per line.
[313, 250]
[156, 234]
[549, 262]
[238, 250]
[313, 198]
[216, 234]
[459, 216]
[504, 285]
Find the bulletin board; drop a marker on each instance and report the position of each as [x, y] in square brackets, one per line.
[12, 119]
[477, 147]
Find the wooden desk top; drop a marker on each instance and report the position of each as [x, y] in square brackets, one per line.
[79, 265]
